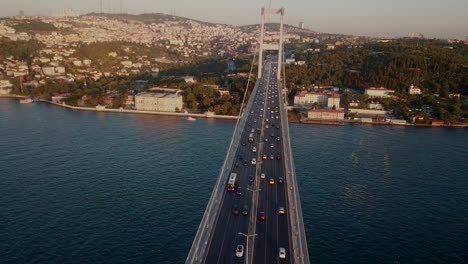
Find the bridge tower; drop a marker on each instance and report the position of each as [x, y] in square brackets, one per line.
[267, 12]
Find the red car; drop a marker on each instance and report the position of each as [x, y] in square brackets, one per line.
[262, 216]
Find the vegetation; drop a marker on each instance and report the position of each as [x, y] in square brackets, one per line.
[438, 68]
[395, 65]
[32, 26]
[20, 50]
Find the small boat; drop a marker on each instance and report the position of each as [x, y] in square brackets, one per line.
[191, 118]
[26, 101]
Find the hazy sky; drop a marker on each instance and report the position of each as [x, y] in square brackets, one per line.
[439, 18]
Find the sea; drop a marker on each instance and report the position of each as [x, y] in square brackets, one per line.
[90, 187]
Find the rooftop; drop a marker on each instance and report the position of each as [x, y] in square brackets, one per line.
[159, 95]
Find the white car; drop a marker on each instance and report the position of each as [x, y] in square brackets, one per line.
[240, 251]
[281, 210]
[282, 253]
[263, 176]
[254, 161]
[272, 146]
[254, 149]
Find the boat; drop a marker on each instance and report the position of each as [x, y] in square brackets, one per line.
[26, 101]
[191, 118]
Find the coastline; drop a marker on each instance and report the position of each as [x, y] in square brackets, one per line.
[226, 117]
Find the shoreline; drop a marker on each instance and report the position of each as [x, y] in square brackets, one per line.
[225, 117]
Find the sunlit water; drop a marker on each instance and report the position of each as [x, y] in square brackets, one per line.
[85, 187]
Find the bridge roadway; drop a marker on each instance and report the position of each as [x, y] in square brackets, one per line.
[257, 195]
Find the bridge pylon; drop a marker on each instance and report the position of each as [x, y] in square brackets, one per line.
[267, 12]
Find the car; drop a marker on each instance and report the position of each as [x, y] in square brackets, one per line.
[272, 157]
[263, 176]
[243, 143]
[277, 117]
[240, 157]
[245, 163]
[255, 121]
[254, 161]
[252, 111]
[266, 120]
[281, 210]
[266, 139]
[282, 253]
[280, 179]
[278, 139]
[265, 157]
[254, 149]
[251, 178]
[266, 126]
[261, 216]
[239, 190]
[272, 135]
[252, 130]
[272, 181]
[245, 210]
[235, 210]
[272, 146]
[278, 157]
[239, 251]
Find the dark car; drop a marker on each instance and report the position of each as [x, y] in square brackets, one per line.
[272, 135]
[239, 191]
[280, 179]
[245, 210]
[251, 178]
[278, 139]
[235, 210]
[243, 144]
[240, 157]
[245, 163]
[278, 157]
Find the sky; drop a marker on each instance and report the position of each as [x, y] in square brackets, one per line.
[382, 18]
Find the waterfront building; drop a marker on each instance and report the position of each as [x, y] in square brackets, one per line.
[333, 101]
[161, 102]
[5, 87]
[378, 92]
[325, 114]
[308, 99]
[414, 90]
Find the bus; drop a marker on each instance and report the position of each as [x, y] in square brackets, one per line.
[251, 137]
[232, 182]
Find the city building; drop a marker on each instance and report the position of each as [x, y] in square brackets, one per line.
[378, 92]
[306, 99]
[333, 101]
[325, 114]
[5, 87]
[375, 105]
[161, 102]
[414, 90]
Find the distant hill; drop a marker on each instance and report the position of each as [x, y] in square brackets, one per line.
[149, 17]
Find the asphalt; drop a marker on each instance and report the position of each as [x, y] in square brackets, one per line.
[272, 233]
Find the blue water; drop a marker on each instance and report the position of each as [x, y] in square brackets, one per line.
[85, 187]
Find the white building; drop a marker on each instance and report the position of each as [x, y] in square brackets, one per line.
[308, 99]
[414, 90]
[375, 105]
[378, 92]
[48, 70]
[162, 102]
[333, 101]
[5, 87]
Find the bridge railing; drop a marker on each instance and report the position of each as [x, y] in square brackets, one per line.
[206, 228]
[296, 221]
